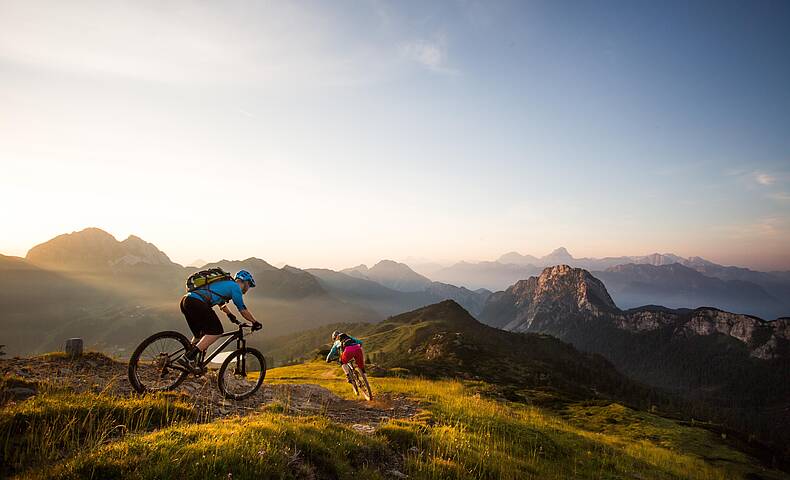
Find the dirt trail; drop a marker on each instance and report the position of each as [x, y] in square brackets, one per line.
[97, 373]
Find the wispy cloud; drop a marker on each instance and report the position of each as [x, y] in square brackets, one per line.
[764, 178]
[431, 54]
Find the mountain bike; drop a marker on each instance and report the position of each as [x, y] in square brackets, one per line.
[359, 381]
[153, 366]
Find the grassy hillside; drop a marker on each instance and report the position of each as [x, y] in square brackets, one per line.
[443, 340]
[458, 433]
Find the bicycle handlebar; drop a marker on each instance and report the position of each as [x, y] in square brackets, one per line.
[242, 326]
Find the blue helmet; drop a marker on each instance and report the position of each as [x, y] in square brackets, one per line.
[246, 276]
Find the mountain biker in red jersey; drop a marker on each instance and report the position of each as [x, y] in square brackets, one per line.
[347, 347]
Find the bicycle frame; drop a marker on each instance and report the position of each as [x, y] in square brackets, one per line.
[241, 342]
[238, 335]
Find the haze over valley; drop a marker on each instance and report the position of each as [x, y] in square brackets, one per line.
[90, 275]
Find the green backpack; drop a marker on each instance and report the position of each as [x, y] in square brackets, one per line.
[204, 278]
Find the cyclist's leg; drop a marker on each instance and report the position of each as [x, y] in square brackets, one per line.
[212, 329]
[190, 313]
[203, 322]
[359, 357]
[345, 366]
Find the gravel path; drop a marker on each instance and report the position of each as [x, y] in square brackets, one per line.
[97, 373]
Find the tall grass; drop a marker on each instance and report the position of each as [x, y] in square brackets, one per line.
[265, 445]
[52, 426]
[462, 434]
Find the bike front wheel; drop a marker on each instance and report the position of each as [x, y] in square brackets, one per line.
[152, 366]
[241, 374]
[364, 386]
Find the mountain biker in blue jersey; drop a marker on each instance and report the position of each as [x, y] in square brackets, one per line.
[197, 307]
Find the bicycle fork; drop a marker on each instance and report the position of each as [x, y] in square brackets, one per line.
[241, 363]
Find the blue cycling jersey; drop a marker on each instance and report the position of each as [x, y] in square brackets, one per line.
[219, 293]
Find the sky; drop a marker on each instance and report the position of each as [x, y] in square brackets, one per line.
[328, 134]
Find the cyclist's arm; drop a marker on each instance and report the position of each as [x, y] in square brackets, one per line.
[333, 352]
[224, 308]
[238, 299]
[248, 315]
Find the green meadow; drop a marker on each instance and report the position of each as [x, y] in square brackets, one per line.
[459, 432]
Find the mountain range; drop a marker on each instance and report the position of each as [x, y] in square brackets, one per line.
[91, 285]
[677, 286]
[80, 281]
[665, 279]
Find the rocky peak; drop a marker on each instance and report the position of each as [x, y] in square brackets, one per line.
[88, 248]
[572, 286]
[138, 250]
[547, 302]
[93, 248]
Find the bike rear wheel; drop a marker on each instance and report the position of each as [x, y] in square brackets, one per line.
[152, 366]
[241, 374]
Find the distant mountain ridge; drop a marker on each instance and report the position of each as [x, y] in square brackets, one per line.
[672, 283]
[391, 274]
[562, 256]
[389, 301]
[677, 286]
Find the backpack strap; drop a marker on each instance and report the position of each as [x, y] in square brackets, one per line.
[210, 291]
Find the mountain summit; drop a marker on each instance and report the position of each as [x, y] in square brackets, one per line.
[95, 249]
[548, 301]
[558, 256]
[394, 275]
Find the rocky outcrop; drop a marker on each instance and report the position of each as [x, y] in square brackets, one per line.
[543, 303]
[562, 298]
[138, 250]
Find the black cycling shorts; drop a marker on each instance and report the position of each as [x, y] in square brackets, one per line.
[202, 319]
